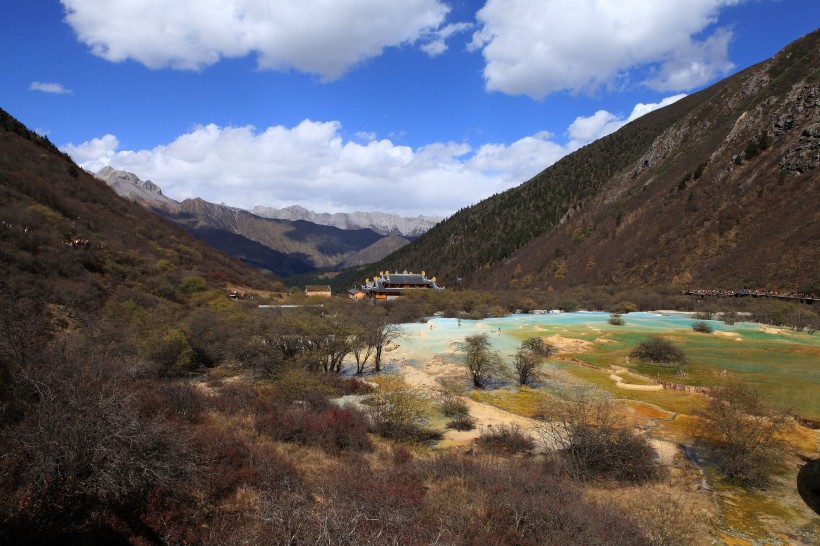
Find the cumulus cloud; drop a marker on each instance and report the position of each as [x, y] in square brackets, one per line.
[313, 36]
[538, 47]
[54, 88]
[313, 165]
[584, 130]
[94, 154]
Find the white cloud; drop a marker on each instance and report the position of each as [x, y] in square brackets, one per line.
[538, 47]
[313, 36]
[54, 88]
[436, 41]
[312, 165]
[695, 64]
[584, 130]
[94, 154]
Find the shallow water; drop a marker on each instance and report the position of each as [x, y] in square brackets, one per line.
[439, 335]
[782, 364]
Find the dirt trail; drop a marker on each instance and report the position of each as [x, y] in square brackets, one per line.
[484, 414]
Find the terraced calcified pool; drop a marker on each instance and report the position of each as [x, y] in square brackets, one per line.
[784, 365]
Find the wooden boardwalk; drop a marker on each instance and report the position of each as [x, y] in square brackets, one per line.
[746, 293]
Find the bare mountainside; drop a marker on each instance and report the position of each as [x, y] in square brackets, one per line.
[719, 189]
[71, 241]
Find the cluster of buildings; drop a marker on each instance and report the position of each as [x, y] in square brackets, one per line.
[386, 286]
[393, 285]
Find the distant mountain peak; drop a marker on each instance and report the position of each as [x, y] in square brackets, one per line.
[381, 222]
[129, 185]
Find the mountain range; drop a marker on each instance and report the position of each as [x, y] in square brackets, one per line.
[380, 222]
[719, 189]
[286, 241]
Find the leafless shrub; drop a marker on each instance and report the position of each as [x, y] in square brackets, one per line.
[748, 435]
[506, 437]
[399, 412]
[334, 430]
[585, 433]
[461, 422]
[84, 448]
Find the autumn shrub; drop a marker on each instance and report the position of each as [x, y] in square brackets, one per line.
[584, 432]
[702, 327]
[171, 353]
[616, 319]
[506, 437]
[625, 307]
[400, 412]
[523, 505]
[452, 405]
[385, 506]
[232, 398]
[184, 400]
[748, 435]
[660, 350]
[84, 451]
[333, 430]
[227, 460]
[518, 501]
[461, 422]
[729, 317]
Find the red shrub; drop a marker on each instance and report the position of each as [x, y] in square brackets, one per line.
[228, 462]
[334, 430]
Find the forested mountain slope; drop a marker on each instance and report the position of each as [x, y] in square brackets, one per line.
[717, 188]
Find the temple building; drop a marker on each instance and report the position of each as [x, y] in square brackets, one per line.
[392, 285]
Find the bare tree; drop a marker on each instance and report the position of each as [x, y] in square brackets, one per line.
[538, 347]
[525, 363]
[382, 336]
[481, 361]
[528, 357]
[361, 348]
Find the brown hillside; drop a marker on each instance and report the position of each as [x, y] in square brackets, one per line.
[70, 239]
[726, 197]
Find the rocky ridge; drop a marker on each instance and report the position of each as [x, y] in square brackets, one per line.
[380, 222]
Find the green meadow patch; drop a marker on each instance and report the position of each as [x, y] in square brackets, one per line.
[785, 367]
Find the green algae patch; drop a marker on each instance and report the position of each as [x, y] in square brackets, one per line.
[782, 366]
[523, 401]
[675, 401]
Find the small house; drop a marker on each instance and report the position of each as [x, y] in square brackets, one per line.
[356, 294]
[318, 290]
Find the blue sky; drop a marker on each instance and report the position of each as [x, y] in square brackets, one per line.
[410, 106]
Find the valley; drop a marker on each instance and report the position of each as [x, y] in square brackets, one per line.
[620, 350]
